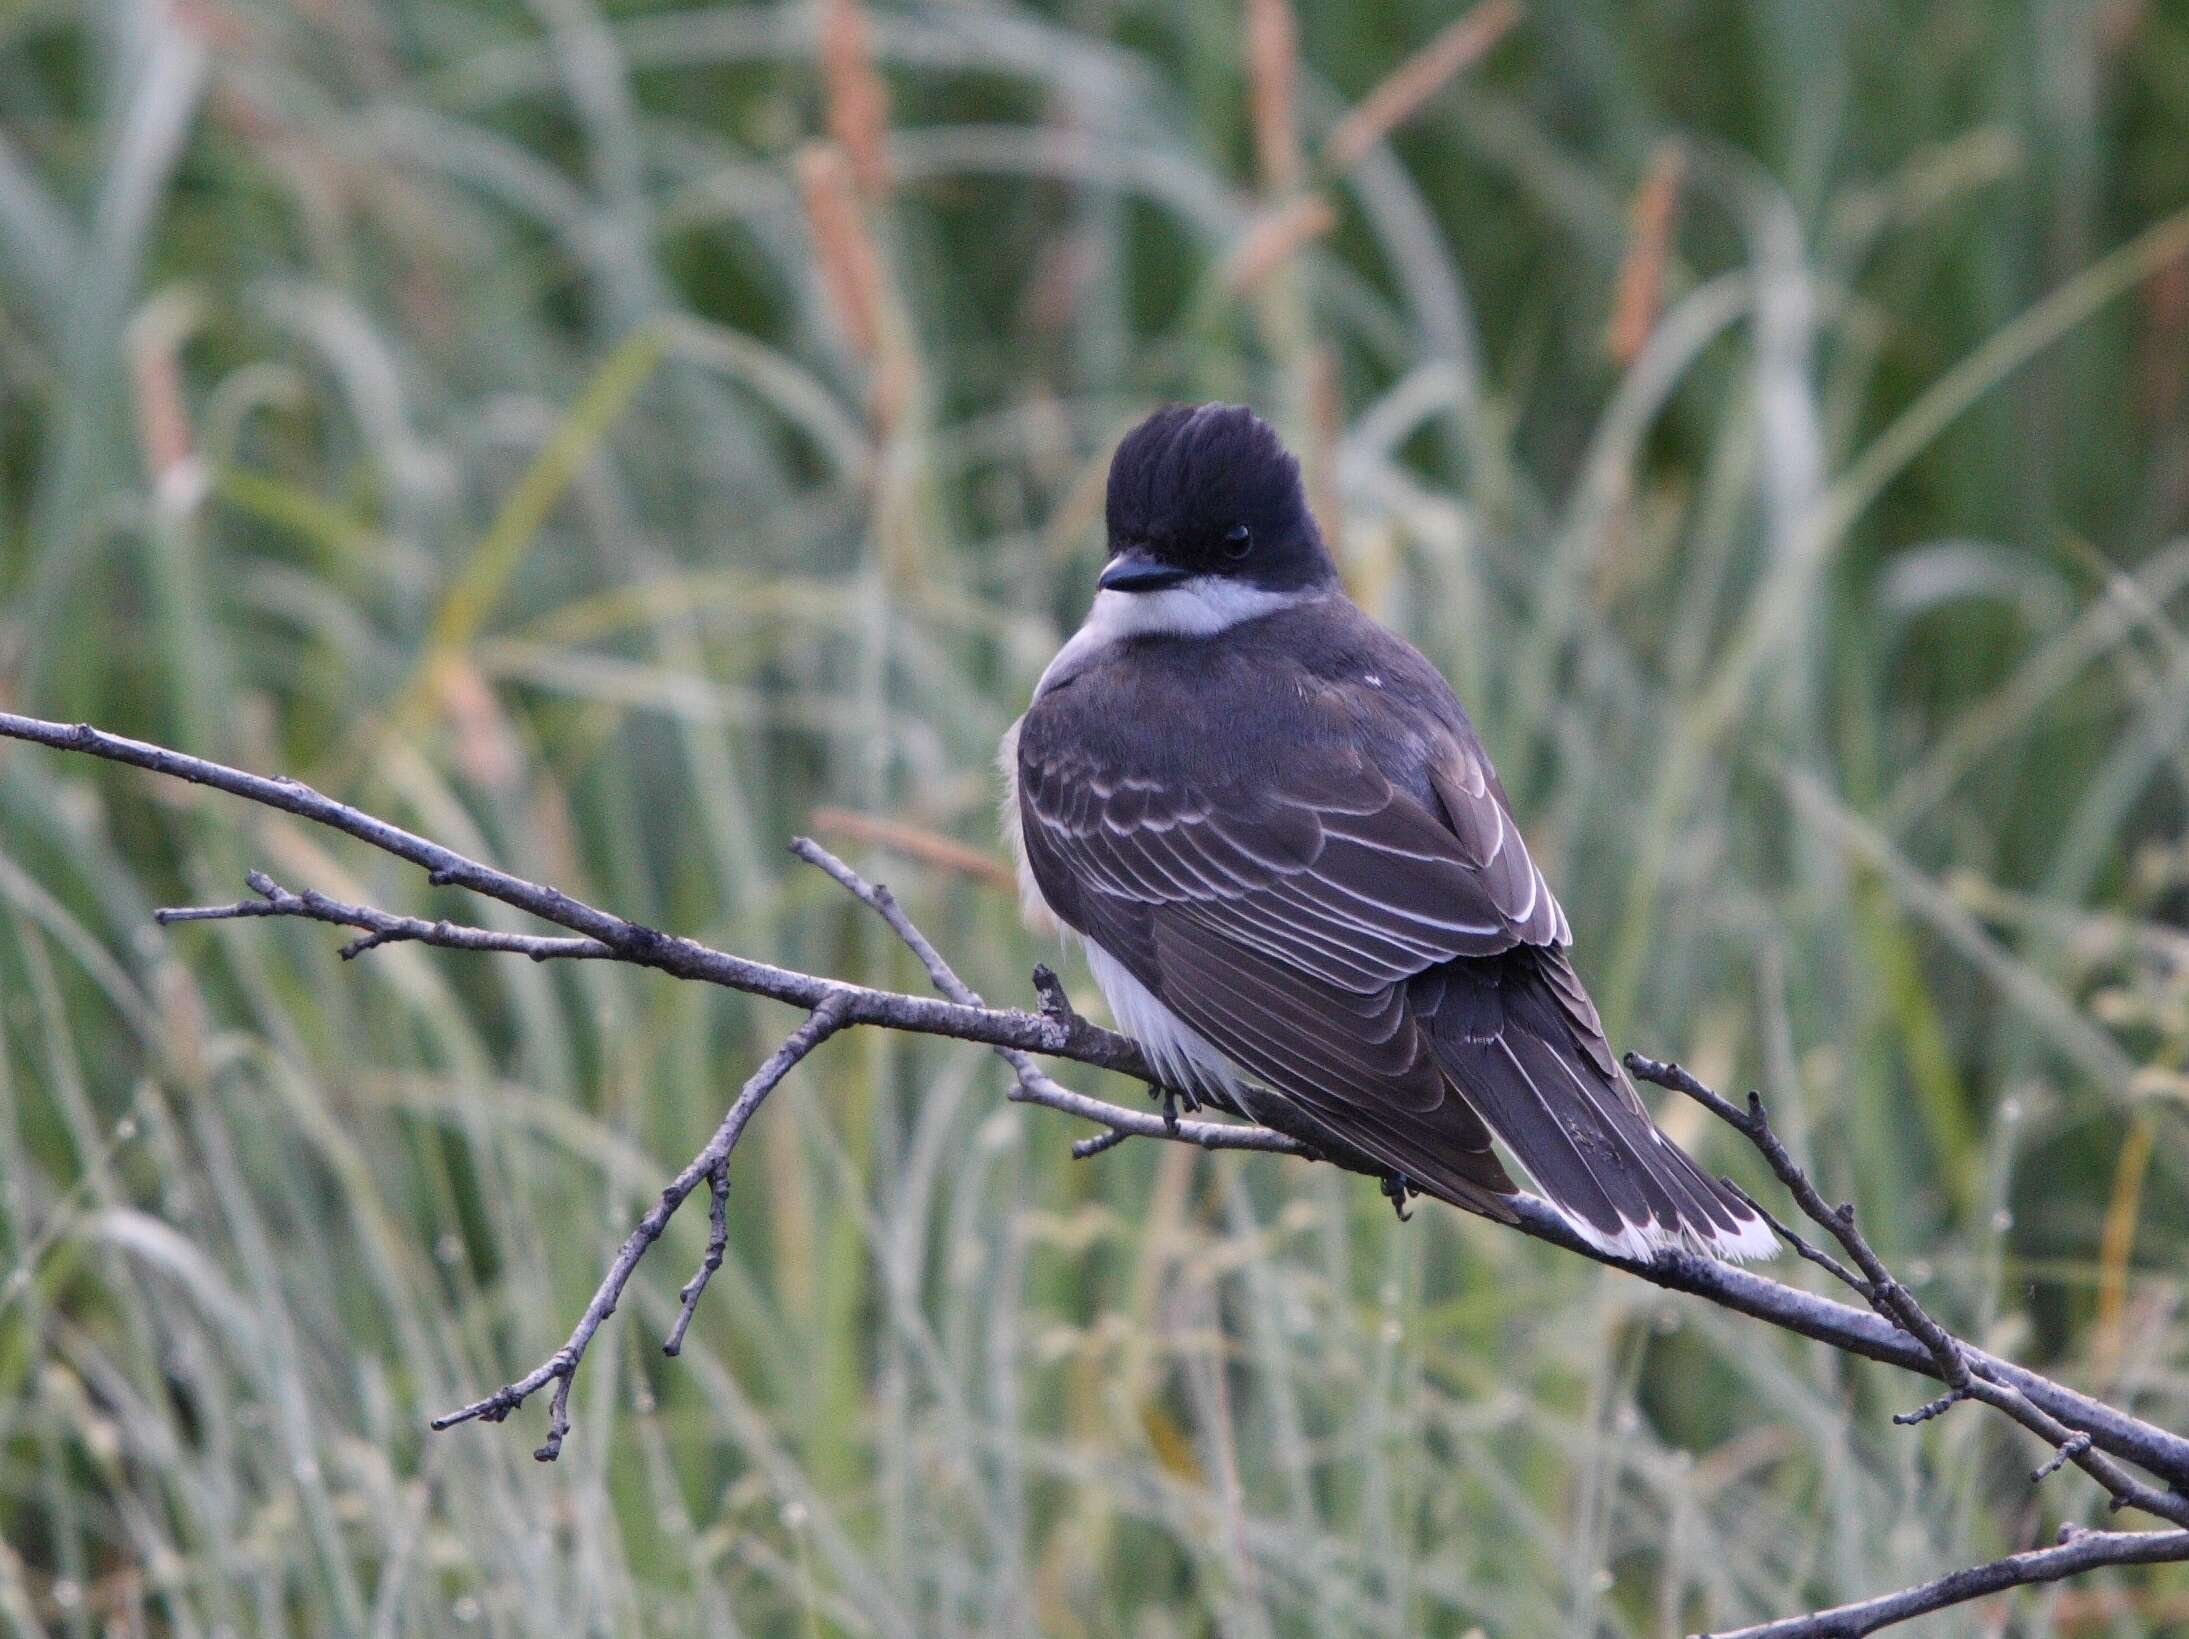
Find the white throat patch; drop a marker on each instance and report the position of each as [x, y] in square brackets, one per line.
[1200, 607]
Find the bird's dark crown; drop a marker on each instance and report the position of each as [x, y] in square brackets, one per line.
[1211, 489]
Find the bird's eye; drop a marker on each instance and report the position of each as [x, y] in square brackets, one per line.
[1238, 541]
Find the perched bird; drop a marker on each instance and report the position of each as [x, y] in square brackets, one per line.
[1297, 876]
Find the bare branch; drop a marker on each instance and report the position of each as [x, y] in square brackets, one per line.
[2080, 1551]
[1084, 1149]
[1059, 1033]
[1953, 1361]
[1894, 1328]
[1931, 1408]
[382, 927]
[2071, 1449]
[631, 941]
[718, 1245]
[561, 1367]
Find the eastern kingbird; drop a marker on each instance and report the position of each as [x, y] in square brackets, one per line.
[1297, 876]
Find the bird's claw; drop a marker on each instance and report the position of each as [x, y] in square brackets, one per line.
[1170, 1098]
[1398, 1189]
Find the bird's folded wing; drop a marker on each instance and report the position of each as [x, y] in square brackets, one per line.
[1283, 920]
[1329, 867]
[1356, 1066]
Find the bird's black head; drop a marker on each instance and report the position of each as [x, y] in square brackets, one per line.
[1208, 490]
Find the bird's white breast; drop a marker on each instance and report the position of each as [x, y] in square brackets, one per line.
[1185, 1058]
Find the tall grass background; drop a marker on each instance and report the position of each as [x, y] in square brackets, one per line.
[601, 436]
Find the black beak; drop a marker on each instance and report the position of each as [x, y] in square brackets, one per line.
[1133, 570]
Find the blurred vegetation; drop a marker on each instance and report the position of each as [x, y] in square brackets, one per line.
[598, 437]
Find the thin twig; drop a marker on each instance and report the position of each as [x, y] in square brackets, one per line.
[1952, 1359]
[383, 927]
[2081, 1551]
[718, 1245]
[2070, 1450]
[561, 1367]
[1931, 1408]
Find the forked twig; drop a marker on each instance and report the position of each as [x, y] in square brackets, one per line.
[718, 1245]
[561, 1367]
[1957, 1364]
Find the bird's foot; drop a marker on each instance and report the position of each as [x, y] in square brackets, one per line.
[1170, 1098]
[1398, 1189]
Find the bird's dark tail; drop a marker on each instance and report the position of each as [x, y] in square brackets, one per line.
[1520, 1039]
